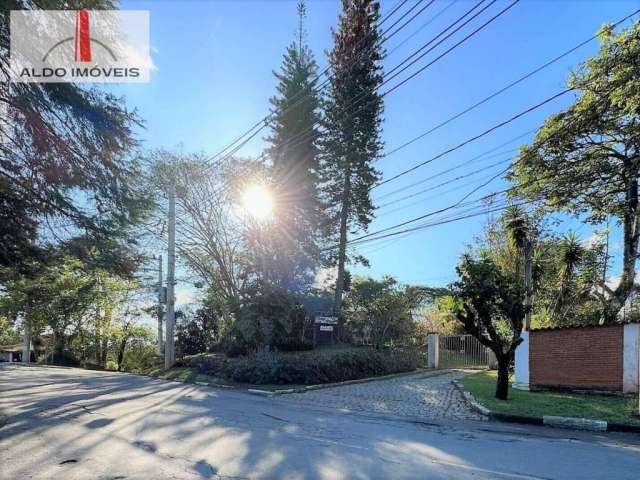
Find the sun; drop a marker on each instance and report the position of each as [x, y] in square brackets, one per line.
[258, 202]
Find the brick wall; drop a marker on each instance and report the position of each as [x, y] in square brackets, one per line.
[586, 358]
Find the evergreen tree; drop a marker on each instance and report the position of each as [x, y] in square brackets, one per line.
[353, 118]
[293, 252]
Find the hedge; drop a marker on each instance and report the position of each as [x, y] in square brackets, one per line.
[321, 366]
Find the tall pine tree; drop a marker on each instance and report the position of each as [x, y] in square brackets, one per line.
[293, 253]
[353, 121]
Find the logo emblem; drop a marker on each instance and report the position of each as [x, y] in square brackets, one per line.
[80, 46]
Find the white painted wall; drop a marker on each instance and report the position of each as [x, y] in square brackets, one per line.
[522, 363]
[630, 360]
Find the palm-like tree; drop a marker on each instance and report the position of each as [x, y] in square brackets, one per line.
[570, 256]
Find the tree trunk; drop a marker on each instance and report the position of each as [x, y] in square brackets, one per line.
[121, 349]
[342, 252]
[630, 251]
[58, 347]
[502, 387]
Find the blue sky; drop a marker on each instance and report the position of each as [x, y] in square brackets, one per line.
[214, 64]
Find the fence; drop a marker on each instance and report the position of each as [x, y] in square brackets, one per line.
[458, 351]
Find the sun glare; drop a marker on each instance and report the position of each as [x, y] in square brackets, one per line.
[258, 202]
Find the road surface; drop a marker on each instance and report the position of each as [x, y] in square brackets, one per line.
[78, 424]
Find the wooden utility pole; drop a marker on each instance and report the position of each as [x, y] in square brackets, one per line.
[160, 307]
[528, 281]
[169, 349]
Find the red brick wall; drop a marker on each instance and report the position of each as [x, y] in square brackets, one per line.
[587, 358]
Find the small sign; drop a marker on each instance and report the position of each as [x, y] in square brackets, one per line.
[327, 320]
[326, 328]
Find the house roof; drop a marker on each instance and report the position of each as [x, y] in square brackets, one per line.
[16, 347]
[565, 327]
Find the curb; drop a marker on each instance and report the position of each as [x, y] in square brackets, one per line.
[475, 406]
[553, 421]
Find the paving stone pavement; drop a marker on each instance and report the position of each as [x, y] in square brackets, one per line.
[413, 396]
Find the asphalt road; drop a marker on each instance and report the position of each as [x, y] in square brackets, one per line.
[77, 424]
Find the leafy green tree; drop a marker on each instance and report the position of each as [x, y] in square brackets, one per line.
[78, 305]
[8, 333]
[214, 241]
[65, 158]
[199, 333]
[490, 306]
[586, 159]
[566, 271]
[293, 150]
[132, 345]
[381, 310]
[567, 275]
[439, 317]
[352, 124]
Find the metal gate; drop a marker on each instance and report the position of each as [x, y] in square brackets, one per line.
[462, 351]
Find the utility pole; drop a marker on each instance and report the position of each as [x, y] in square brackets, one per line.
[522, 352]
[169, 349]
[160, 308]
[26, 344]
[528, 281]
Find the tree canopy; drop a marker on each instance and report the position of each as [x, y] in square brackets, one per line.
[293, 150]
[66, 158]
[586, 160]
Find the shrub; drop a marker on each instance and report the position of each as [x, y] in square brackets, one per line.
[199, 333]
[322, 366]
[272, 318]
[290, 344]
[140, 356]
[210, 363]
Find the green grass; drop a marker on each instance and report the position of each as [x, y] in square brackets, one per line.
[614, 409]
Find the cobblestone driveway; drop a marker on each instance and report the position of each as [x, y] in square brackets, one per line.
[414, 395]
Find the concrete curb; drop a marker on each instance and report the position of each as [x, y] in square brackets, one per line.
[475, 406]
[553, 421]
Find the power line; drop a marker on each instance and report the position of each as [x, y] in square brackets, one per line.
[263, 122]
[301, 136]
[459, 203]
[390, 75]
[507, 87]
[423, 68]
[435, 212]
[410, 20]
[443, 222]
[422, 27]
[476, 137]
[495, 94]
[488, 98]
[431, 197]
[447, 182]
[484, 156]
